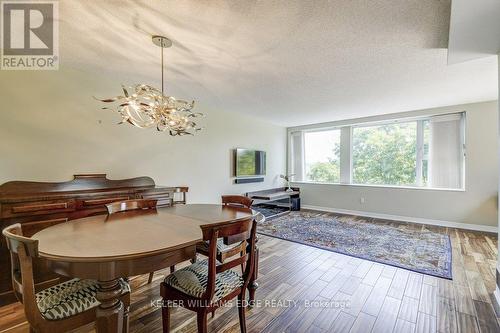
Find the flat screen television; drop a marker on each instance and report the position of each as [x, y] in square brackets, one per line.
[249, 162]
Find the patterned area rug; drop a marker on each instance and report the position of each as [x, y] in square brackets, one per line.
[269, 210]
[397, 244]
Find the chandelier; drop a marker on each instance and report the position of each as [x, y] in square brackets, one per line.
[145, 106]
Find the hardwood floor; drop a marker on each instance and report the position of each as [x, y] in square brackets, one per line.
[305, 289]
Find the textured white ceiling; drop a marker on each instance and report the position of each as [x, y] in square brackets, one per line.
[474, 30]
[290, 62]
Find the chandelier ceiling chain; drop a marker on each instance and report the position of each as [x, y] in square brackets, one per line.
[145, 106]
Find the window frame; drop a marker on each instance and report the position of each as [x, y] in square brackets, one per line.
[315, 130]
[346, 166]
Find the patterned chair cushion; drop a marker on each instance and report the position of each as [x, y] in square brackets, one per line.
[221, 247]
[192, 280]
[70, 298]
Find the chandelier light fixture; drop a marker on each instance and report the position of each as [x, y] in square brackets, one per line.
[145, 106]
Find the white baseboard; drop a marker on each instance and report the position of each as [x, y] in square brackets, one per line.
[419, 220]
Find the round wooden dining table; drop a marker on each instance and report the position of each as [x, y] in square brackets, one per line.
[109, 247]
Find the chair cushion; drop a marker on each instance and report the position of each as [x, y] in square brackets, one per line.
[221, 247]
[192, 280]
[70, 298]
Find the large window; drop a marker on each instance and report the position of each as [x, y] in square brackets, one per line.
[385, 154]
[322, 156]
[418, 152]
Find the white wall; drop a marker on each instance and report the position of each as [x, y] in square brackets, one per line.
[477, 205]
[497, 291]
[52, 128]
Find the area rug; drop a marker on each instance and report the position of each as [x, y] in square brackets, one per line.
[270, 210]
[397, 244]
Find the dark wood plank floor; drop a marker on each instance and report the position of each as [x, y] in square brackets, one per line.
[304, 289]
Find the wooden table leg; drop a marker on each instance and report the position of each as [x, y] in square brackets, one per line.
[110, 311]
[253, 285]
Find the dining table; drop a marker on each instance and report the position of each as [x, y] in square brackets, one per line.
[107, 248]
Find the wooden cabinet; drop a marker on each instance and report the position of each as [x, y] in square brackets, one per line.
[164, 197]
[33, 208]
[37, 205]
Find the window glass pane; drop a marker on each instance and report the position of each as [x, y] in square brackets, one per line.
[427, 137]
[425, 172]
[322, 156]
[425, 154]
[445, 154]
[297, 156]
[385, 154]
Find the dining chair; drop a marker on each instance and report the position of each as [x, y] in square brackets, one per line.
[237, 201]
[225, 251]
[60, 308]
[206, 285]
[128, 205]
[134, 204]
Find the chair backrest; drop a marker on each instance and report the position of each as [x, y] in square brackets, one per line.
[127, 205]
[233, 232]
[22, 251]
[236, 201]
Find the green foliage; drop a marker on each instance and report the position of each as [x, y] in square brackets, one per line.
[385, 154]
[328, 172]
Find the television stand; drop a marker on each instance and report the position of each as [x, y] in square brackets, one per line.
[275, 202]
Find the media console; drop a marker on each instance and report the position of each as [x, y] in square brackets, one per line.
[276, 201]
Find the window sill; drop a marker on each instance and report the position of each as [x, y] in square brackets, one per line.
[385, 186]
